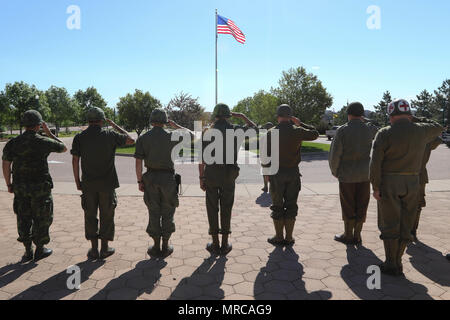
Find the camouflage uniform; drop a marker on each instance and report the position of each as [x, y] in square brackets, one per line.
[96, 147]
[394, 172]
[32, 185]
[161, 194]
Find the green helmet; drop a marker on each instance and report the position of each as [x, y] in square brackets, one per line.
[399, 107]
[95, 114]
[159, 116]
[222, 111]
[284, 111]
[31, 118]
[355, 109]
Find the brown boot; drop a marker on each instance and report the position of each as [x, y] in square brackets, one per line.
[278, 240]
[167, 249]
[357, 240]
[155, 250]
[401, 250]
[390, 267]
[347, 237]
[289, 225]
[416, 225]
[93, 253]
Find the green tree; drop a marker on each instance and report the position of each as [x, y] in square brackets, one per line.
[381, 115]
[341, 117]
[135, 110]
[89, 98]
[304, 93]
[21, 97]
[184, 110]
[425, 105]
[443, 100]
[261, 108]
[62, 107]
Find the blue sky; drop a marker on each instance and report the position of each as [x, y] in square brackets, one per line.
[168, 46]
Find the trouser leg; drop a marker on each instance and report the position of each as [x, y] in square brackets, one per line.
[90, 204]
[107, 205]
[152, 199]
[22, 209]
[212, 208]
[227, 194]
[42, 210]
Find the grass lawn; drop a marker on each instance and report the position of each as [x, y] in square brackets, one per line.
[307, 147]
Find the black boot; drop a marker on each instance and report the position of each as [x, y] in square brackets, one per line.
[416, 226]
[289, 225]
[106, 251]
[226, 247]
[401, 250]
[214, 246]
[391, 250]
[28, 255]
[155, 250]
[357, 239]
[93, 253]
[347, 237]
[42, 253]
[278, 240]
[167, 249]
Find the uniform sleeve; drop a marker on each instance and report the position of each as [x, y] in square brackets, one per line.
[76, 150]
[307, 133]
[53, 145]
[7, 152]
[377, 160]
[431, 128]
[119, 139]
[373, 129]
[139, 153]
[336, 152]
[436, 143]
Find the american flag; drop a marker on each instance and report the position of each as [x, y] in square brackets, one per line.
[226, 26]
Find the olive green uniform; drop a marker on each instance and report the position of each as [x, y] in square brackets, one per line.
[395, 168]
[161, 192]
[32, 185]
[424, 180]
[349, 162]
[220, 183]
[97, 147]
[286, 184]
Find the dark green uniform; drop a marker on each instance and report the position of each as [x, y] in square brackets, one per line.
[97, 147]
[220, 182]
[161, 192]
[424, 180]
[32, 185]
[286, 184]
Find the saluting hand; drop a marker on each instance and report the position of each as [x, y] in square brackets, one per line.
[237, 115]
[296, 121]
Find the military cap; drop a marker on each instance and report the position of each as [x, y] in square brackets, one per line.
[222, 110]
[95, 114]
[355, 109]
[284, 111]
[31, 118]
[399, 107]
[159, 116]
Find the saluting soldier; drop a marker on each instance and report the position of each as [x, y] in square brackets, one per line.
[96, 147]
[394, 173]
[31, 183]
[218, 180]
[159, 183]
[285, 186]
[349, 162]
[424, 180]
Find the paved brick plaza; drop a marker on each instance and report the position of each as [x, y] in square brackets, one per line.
[316, 268]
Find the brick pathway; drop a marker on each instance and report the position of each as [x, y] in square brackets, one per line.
[316, 268]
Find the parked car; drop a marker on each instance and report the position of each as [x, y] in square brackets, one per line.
[446, 138]
[331, 133]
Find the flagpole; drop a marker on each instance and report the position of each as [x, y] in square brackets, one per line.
[216, 59]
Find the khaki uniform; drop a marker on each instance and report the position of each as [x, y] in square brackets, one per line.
[161, 193]
[97, 147]
[220, 182]
[286, 184]
[32, 185]
[349, 162]
[395, 168]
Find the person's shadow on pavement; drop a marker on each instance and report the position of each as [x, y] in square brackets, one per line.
[12, 272]
[55, 288]
[430, 262]
[281, 279]
[264, 200]
[132, 284]
[358, 277]
[204, 283]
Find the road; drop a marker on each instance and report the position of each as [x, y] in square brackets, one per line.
[313, 168]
